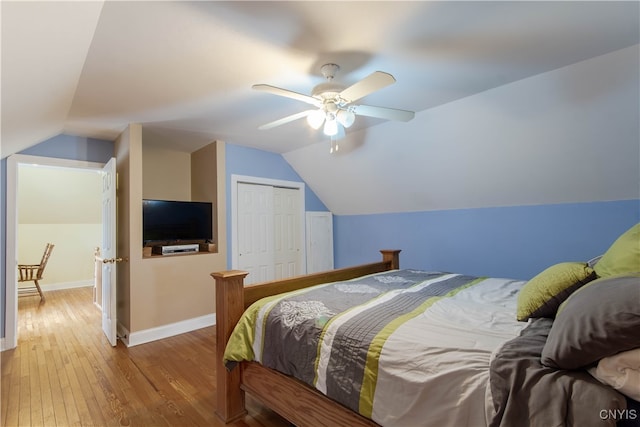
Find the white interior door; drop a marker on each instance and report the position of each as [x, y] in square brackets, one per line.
[319, 241]
[108, 251]
[286, 216]
[255, 232]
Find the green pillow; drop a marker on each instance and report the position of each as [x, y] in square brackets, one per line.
[623, 256]
[542, 295]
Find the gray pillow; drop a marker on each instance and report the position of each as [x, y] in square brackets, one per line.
[598, 320]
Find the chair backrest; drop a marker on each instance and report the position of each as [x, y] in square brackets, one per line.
[45, 258]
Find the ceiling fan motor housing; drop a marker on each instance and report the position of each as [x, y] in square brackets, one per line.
[327, 91]
[329, 71]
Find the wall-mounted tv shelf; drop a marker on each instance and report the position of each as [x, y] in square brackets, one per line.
[176, 250]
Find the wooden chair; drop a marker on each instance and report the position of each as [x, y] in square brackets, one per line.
[33, 273]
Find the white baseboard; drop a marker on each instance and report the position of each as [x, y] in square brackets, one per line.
[66, 285]
[2, 344]
[123, 334]
[131, 339]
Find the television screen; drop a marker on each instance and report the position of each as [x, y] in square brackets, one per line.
[174, 221]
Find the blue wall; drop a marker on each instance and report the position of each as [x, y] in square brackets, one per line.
[241, 160]
[73, 148]
[515, 242]
[61, 147]
[265, 164]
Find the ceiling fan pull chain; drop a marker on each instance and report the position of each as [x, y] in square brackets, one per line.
[333, 146]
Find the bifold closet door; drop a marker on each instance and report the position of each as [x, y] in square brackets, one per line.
[269, 232]
[256, 253]
[286, 216]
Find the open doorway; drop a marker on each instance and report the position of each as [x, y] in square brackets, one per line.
[61, 206]
[60, 182]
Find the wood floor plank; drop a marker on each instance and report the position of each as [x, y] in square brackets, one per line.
[10, 400]
[24, 411]
[57, 401]
[65, 373]
[44, 382]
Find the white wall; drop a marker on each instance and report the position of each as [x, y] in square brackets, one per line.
[63, 207]
[565, 136]
[71, 261]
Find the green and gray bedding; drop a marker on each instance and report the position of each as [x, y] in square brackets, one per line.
[523, 389]
[403, 348]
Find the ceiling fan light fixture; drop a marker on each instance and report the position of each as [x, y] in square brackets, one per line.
[331, 127]
[315, 119]
[346, 118]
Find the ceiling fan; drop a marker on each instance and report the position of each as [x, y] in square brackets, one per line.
[335, 104]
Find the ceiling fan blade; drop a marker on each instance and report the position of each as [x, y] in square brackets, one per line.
[369, 84]
[288, 93]
[383, 113]
[285, 120]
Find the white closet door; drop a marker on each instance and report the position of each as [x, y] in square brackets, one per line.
[256, 252]
[319, 241]
[286, 215]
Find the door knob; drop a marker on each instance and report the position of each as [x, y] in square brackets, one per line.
[114, 260]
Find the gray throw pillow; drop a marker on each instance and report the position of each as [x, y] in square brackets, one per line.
[598, 320]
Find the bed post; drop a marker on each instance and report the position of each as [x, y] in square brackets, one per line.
[392, 255]
[229, 309]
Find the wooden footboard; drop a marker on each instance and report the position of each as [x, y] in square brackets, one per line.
[272, 388]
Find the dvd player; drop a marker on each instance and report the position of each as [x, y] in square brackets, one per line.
[175, 249]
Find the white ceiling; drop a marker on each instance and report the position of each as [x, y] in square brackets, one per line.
[185, 69]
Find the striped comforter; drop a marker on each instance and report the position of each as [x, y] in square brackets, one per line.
[403, 348]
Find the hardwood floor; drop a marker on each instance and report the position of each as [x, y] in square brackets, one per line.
[65, 373]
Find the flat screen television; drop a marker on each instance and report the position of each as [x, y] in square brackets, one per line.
[169, 222]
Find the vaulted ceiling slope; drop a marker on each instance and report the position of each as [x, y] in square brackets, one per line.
[185, 70]
[570, 135]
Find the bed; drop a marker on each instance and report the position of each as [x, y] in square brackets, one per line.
[379, 345]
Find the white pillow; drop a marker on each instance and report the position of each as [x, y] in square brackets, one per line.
[621, 371]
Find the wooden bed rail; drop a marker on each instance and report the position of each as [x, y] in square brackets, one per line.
[390, 261]
[232, 298]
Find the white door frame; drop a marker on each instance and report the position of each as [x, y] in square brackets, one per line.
[235, 179]
[11, 298]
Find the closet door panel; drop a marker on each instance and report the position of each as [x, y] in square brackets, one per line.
[255, 232]
[286, 212]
